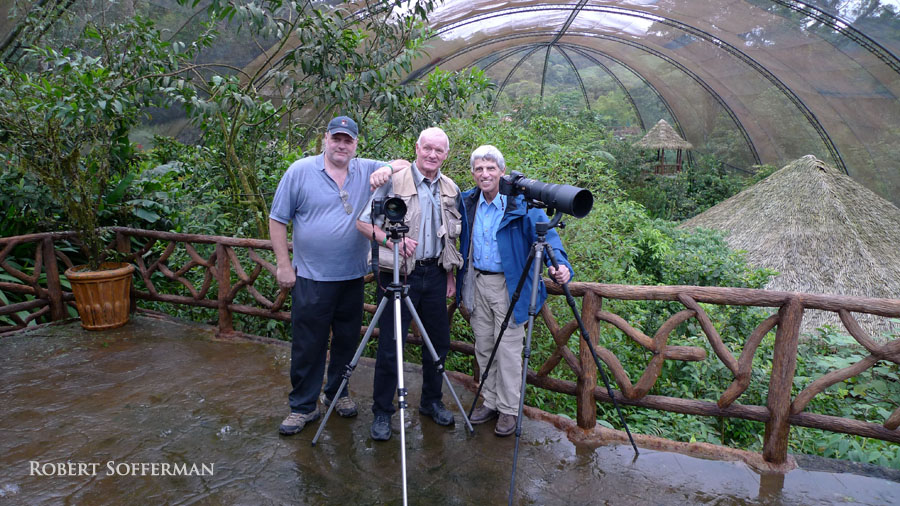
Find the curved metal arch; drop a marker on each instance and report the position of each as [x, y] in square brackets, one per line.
[584, 51]
[544, 69]
[572, 15]
[846, 29]
[696, 78]
[526, 47]
[587, 100]
[614, 77]
[752, 63]
[511, 72]
[509, 52]
[561, 48]
[641, 47]
[701, 34]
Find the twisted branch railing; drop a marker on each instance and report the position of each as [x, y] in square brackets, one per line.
[234, 274]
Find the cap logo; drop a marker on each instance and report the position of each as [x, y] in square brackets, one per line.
[344, 122]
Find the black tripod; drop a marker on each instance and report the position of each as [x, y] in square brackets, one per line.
[535, 257]
[398, 291]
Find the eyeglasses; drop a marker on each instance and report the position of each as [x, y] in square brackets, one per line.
[347, 207]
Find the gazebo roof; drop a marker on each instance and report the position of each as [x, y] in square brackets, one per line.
[663, 136]
[821, 230]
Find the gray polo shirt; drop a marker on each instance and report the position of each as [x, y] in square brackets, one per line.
[327, 246]
[429, 191]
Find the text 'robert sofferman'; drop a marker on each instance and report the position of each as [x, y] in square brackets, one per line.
[112, 468]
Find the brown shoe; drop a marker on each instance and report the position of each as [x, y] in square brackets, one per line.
[345, 406]
[482, 414]
[295, 422]
[506, 425]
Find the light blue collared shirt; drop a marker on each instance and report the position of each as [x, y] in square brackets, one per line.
[484, 233]
[327, 246]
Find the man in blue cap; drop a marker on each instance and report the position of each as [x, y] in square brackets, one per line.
[322, 196]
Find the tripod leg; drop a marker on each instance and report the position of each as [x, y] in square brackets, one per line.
[587, 339]
[438, 363]
[351, 366]
[503, 326]
[401, 390]
[532, 312]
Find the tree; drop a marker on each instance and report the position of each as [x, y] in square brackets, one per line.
[318, 61]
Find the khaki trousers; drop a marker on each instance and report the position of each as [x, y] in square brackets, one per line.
[503, 386]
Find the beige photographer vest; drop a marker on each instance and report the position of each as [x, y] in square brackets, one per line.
[404, 186]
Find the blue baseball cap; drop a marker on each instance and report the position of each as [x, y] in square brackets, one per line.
[343, 125]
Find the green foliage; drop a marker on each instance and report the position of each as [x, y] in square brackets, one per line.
[615, 110]
[65, 116]
[685, 194]
[870, 396]
[26, 205]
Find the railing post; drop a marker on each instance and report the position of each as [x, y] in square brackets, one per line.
[123, 246]
[784, 364]
[54, 288]
[586, 405]
[223, 278]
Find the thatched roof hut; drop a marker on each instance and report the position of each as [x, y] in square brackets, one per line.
[823, 232]
[662, 137]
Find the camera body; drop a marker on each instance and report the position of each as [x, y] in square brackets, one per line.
[565, 198]
[391, 207]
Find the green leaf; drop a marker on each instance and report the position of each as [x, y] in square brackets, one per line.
[146, 214]
[116, 195]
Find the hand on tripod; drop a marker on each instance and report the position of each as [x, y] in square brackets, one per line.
[561, 275]
[407, 246]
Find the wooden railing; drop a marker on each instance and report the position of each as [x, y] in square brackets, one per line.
[235, 265]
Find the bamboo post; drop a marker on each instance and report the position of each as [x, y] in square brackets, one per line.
[784, 364]
[54, 288]
[586, 405]
[223, 278]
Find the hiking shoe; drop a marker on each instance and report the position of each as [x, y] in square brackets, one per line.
[438, 413]
[506, 425]
[381, 427]
[482, 414]
[295, 422]
[345, 406]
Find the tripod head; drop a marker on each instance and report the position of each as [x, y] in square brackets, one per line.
[542, 227]
[395, 230]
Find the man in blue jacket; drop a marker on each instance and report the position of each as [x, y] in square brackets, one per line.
[497, 234]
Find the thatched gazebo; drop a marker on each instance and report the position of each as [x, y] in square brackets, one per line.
[822, 231]
[662, 137]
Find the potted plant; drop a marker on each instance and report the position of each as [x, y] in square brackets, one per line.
[65, 116]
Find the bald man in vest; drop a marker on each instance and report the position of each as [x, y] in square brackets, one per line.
[428, 259]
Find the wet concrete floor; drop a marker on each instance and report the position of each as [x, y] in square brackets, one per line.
[110, 417]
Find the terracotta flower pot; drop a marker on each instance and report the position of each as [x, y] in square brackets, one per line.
[103, 297]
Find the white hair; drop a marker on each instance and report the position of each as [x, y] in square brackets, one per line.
[433, 131]
[489, 153]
